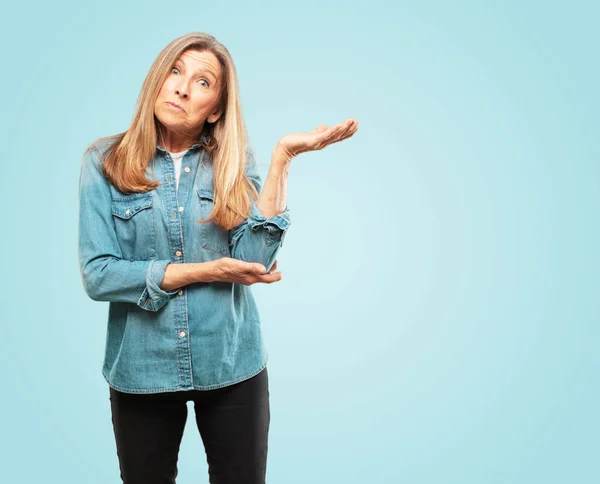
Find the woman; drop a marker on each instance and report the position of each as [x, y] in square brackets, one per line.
[173, 229]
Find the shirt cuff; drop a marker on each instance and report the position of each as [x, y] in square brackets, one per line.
[153, 297]
[278, 224]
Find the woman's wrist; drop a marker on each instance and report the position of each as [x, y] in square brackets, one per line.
[205, 271]
[179, 275]
[280, 157]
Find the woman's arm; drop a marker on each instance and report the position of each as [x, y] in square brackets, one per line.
[105, 274]
[225, 269]
[179, 275]
[273, 198]
[260, 236]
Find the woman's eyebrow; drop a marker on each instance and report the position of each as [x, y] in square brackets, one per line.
[206, 71]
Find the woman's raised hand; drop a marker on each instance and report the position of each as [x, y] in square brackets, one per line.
[317, 139]
[228, 269]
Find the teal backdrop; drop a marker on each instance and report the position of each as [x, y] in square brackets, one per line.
[438, 317]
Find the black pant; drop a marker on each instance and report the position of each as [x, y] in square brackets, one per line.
[233, 422]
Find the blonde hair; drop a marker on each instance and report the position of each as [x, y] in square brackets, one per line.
[128, 154]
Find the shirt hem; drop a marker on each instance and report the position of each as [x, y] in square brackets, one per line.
[183, 389]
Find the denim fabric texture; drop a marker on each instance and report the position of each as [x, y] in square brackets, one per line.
[201, 336]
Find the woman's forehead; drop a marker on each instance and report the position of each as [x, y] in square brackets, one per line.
[198, 61]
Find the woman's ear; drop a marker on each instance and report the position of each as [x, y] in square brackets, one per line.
[214, 117]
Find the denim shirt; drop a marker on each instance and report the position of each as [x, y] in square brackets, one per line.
[201, 336]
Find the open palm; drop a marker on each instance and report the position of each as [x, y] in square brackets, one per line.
[317, 139]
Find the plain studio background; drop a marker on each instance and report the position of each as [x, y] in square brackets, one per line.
[437, 321]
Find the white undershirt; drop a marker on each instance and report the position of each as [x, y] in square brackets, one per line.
[177, 165]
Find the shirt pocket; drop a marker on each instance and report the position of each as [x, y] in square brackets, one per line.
[212, 236]
[135, 226]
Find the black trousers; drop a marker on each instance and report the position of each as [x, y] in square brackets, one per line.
[233, 422]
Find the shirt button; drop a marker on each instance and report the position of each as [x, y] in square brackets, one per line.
[178, 253]
[180, 292]
[127, 212]
[182, 334]
[187, 169]
[180, 209]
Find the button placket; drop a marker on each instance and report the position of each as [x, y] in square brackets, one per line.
[175, 196]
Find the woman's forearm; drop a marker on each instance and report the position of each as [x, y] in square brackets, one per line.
[179, 275]
[273, 197]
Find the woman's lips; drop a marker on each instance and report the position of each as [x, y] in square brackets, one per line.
[174, 106]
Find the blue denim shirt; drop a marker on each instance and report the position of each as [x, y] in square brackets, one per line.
[201, 336]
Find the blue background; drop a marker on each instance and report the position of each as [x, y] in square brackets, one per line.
[437, 320]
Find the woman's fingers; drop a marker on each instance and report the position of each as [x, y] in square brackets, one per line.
[253, 272]
[346, 130]
[253, 268]
[349, 131]
[340, 131]
[269, 278]
[292, 145]
[321, 128]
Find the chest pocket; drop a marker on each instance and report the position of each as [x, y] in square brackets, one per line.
[212, 236]
[135, 226]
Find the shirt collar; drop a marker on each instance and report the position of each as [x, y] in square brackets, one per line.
[203, 138]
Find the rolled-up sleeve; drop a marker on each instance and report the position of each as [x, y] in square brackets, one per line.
[105, 275]
[153, 297]
[258, 238]
[275, 226]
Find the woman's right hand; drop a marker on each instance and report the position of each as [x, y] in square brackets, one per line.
[238, 271]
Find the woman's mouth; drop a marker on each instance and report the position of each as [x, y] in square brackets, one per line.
[176, 106]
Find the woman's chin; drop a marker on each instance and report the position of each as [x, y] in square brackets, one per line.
[169, 120]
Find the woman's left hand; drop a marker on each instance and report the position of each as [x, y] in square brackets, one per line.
[294, 144]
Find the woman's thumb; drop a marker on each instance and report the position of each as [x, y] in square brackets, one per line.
[260, 269]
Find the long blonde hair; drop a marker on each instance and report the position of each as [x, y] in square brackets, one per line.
[127, 157]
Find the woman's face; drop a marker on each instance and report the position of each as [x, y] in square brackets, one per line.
[193, 84]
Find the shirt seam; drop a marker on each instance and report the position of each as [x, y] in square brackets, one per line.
[193, 387]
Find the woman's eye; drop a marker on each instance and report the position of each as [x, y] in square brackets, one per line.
[201, 79]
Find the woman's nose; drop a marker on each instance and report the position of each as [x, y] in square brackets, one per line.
[181, 90]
